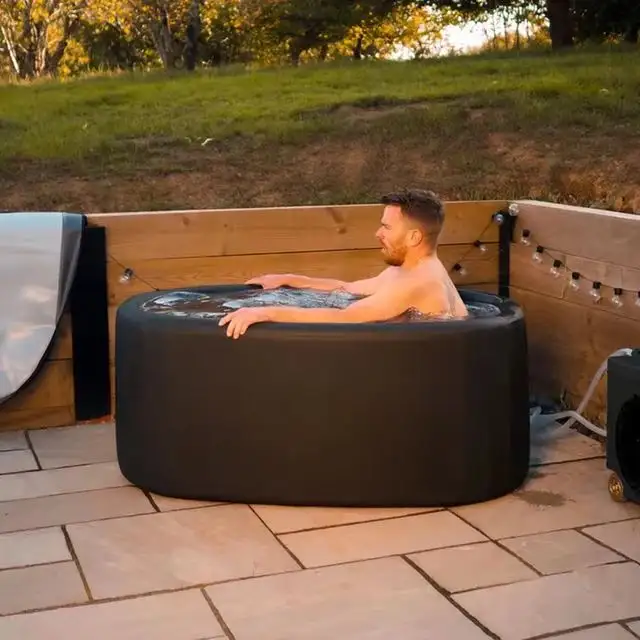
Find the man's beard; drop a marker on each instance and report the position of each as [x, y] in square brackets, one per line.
[393, 258]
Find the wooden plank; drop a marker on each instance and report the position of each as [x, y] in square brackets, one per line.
[62, 348]
[38, 418]
[345, 265]
[223, 232]
[567, 344]
[528, 275]
[603, 236]
[51, 389]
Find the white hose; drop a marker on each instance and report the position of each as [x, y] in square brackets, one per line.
[538, 419]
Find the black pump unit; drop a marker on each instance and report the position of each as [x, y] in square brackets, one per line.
[623, 426]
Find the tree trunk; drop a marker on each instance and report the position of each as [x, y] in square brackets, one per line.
[190, 52]
[163, 38]
[560, 23]
[357, 50]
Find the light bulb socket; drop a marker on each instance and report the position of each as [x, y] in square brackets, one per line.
[457, 267]
[539, 249]
[575, 276]
[557, 264]
[526, 233]
[597, 285]
[617, 291]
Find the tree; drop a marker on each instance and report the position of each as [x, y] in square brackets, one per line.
[316, 24]
[36, 33]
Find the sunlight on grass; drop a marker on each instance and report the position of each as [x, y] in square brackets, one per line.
[102, 115]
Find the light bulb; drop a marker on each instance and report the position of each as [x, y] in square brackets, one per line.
[574, 283]
[555, 269]
[481, 247]
[595, 292]
[514, 209]
[616, 299]
[537, 255]
[637, 302]
[524, 238]
[460, 269]
[126, 275]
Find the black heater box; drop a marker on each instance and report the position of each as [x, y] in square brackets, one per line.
[623, 425]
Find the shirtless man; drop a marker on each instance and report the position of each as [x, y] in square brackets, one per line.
[415, 278]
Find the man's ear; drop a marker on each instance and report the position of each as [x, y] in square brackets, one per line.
[415, 236]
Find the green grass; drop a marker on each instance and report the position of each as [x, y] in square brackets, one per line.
[560, 127]
[117, 115]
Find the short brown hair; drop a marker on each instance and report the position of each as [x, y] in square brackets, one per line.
[424, 207]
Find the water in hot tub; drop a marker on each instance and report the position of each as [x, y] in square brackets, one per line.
[199, 304]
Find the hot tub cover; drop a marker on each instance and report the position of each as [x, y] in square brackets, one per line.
[38, 257]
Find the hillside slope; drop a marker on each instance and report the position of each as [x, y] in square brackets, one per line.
[557, 127]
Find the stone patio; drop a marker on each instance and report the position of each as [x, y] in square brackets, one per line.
[84, 554]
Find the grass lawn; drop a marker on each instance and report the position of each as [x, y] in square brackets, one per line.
[561, 127]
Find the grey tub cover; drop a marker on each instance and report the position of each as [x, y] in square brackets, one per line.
[38, 258]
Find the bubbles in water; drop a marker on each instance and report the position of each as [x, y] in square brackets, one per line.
[215, 305]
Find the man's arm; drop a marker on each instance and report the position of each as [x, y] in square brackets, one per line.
[365, 287]
[388, 302]
[391, 300]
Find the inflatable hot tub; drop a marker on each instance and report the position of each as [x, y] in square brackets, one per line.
[420, 413]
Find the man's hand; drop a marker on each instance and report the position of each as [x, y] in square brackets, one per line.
[271, 281]
[240, 320]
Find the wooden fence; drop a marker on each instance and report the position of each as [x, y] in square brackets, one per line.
[570, 333]
[173, 249]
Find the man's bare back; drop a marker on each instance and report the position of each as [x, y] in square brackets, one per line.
[431, 290]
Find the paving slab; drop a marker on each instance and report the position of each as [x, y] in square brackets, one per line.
[184, 615]
[289, 519]
[561, 496]
[622, 536]
[174, 550]
[47, 585]
[51, 482]
[606, 632]
[556, 603]
[14, 461]
[382, 538]
[559, 444]
[68, 446]
[50, 511]
[376, 599]
[165, 503]
[12, 440]
[39, 546]
[472, 566]
[560, 551]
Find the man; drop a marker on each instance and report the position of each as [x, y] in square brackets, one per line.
[415, 278]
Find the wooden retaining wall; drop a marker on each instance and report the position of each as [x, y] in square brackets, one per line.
[569, 334]
[170, 249]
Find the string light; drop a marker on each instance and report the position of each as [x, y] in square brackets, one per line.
[127, 275]
[481, 247]
[575, 281]
[537, 254]
[617, 299]
[460, 269]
